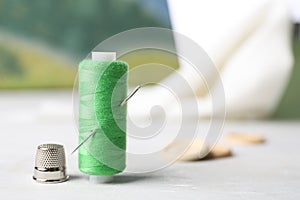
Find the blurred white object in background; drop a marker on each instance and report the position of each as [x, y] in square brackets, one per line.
[249, 42]
[295, 8]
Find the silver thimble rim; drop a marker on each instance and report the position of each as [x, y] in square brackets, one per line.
[50, 181]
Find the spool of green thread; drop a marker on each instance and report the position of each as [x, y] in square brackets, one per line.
[102, 86]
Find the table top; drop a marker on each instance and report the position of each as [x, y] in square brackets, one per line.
[265, 171]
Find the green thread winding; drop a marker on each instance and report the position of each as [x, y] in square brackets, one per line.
[102, 86]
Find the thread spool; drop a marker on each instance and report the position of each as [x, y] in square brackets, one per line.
[104, 153]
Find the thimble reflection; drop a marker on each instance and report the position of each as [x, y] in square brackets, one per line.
[50, 164]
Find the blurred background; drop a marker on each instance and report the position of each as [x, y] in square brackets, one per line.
[42, 41]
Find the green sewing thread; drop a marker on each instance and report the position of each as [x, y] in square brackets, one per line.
[102, 86]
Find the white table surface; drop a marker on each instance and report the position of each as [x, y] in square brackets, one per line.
[268, 171]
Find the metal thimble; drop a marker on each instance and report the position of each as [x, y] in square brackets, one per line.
[50, 164]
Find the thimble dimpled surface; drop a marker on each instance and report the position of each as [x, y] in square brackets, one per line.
[50, 156]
